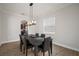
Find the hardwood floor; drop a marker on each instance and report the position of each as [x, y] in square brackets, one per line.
[12, 49]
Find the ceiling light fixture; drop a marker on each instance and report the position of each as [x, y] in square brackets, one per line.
[33, 22]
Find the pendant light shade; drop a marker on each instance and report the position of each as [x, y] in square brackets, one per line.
[30, 4]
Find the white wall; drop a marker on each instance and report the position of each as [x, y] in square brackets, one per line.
[0, 28]
[10, 26]
[67, 27]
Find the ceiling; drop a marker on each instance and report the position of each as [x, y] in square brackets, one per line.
[39, 9]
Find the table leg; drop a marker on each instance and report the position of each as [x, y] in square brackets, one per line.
[51, 47]
[36, 50]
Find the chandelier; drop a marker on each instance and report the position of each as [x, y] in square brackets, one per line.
[32, 22]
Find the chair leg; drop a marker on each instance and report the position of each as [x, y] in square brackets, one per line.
[36, 50]
[49, 53]
[26, 51]
[21, 47]
[51, 47]
[43, 53]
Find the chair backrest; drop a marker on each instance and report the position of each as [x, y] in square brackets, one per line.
[22, 32]
[23, 40]
[20, 38]
[43, 35]
[37, 34]
[26, 33]
[47, 43]
[23, 37]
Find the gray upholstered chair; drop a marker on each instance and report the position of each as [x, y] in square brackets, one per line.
[46, 46]
[26, 44]
[37, 34]
[21, 43]
[43, 35]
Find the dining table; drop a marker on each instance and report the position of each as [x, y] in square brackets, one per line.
[35, 41]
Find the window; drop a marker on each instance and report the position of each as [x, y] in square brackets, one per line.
[49, 25]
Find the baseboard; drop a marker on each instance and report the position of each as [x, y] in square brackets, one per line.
[65, 46]
[8, 41]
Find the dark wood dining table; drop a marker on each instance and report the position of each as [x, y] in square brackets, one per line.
[35, 41]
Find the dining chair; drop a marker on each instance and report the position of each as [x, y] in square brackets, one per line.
[43, 35]
[45, 46]
[21, 43]
[51, 41]
[37, 34]
[36, 41]
[26, 44]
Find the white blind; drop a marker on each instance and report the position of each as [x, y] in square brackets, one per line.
[49, 24]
